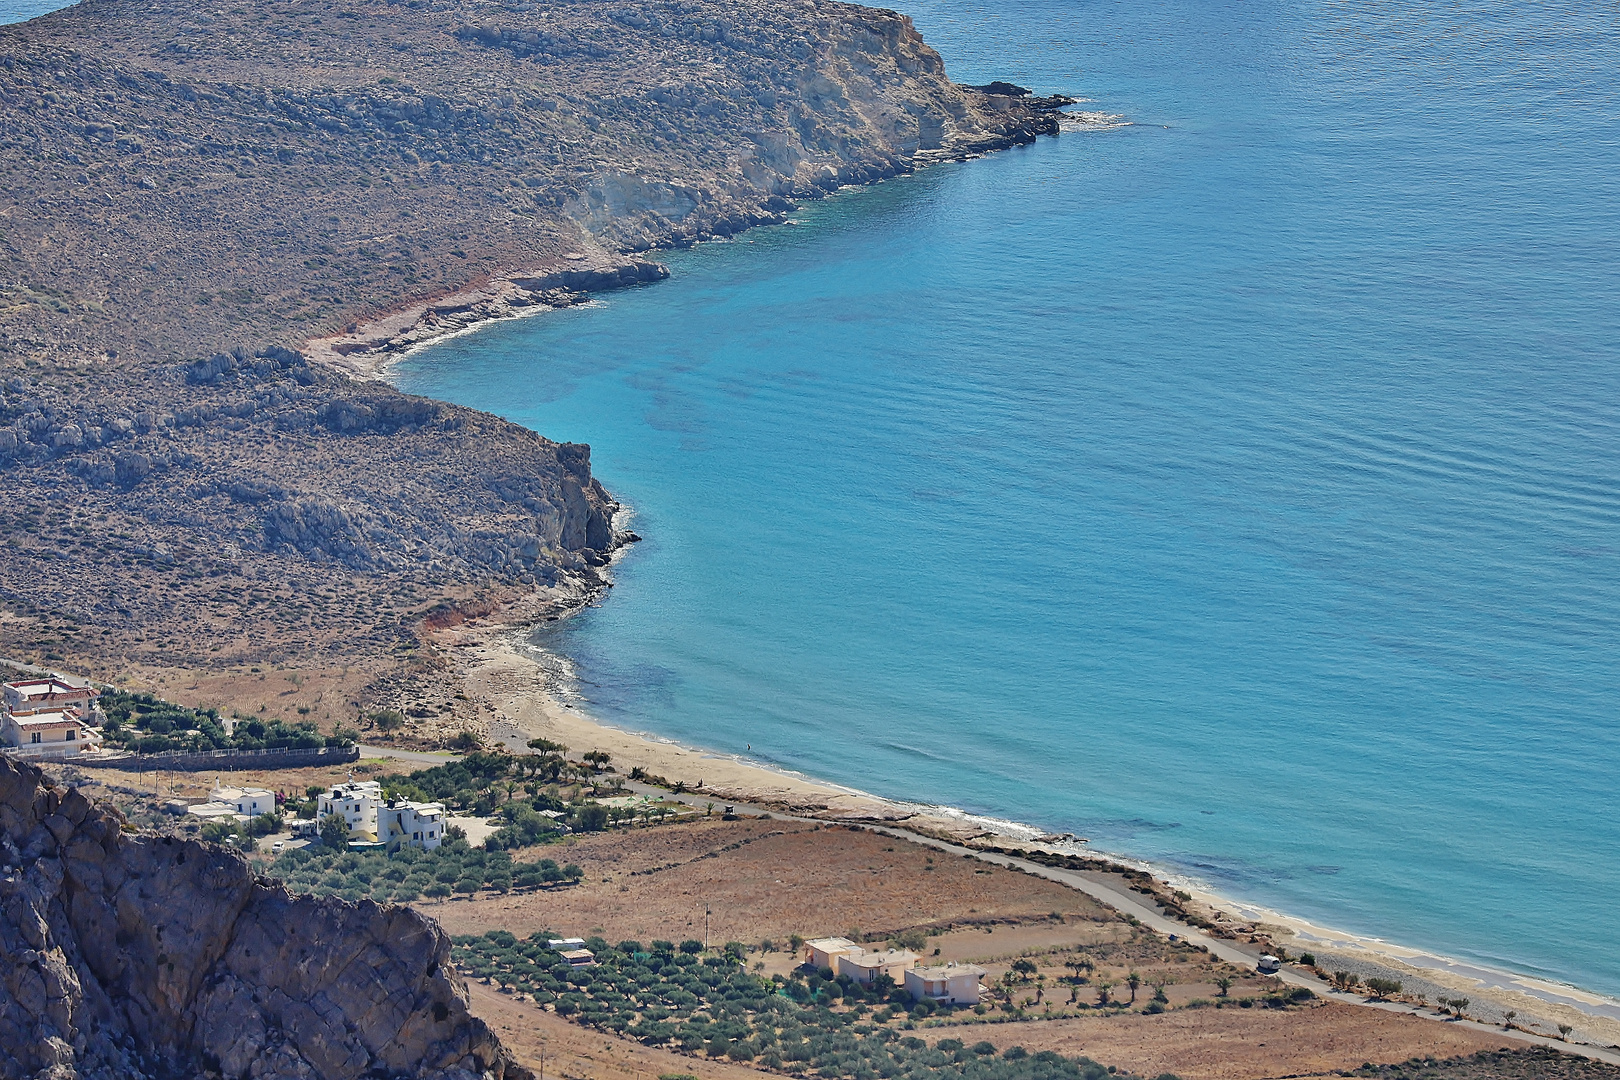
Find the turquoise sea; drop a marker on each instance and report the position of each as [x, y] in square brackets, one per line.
[1239, 489]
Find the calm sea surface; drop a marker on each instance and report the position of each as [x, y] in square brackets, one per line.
[1240, 489]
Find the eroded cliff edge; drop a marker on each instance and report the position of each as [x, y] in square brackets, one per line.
[193, 192]
[133, 955]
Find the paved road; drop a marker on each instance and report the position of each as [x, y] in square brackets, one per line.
[1097, 886]
[32, 669]
[1104, 888]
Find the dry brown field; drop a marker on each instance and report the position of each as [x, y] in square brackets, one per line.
[1240, 1044]
[762, 879]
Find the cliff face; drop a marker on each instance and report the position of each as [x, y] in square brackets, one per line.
[142, 956]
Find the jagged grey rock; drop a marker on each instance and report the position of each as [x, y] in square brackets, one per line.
[128, 955]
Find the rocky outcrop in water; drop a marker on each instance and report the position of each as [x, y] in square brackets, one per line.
[128, 955]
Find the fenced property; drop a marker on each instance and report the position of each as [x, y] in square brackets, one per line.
[222, 760]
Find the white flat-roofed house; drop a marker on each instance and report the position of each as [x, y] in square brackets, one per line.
[247, 801]
[52, 693]
[235, 804]
[215, 811]
[417, 824]
[824, 952]
[949, 984]
[356, 802]
[47, 733]
[865, 966]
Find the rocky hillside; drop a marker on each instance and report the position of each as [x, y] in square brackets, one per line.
[125, 955]
[185, 178]
[189, 193]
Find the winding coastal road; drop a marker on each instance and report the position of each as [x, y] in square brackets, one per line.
[1099, 887]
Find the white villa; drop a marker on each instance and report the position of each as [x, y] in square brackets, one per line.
[396, 821]
[47, 733]
[250, 801]
[950, 984]
[30, 695]
[356, 803]
[405, 822]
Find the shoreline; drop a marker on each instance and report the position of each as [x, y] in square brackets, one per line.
[368, 347]
[365, 350]
[524, 689]
[521, 687]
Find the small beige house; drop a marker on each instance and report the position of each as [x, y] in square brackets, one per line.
[863, 967]
[950, 984]
[824, 952]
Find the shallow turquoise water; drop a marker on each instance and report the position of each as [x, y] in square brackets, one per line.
[1240, 489]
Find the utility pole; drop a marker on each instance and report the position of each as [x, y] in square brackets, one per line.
[706, 913]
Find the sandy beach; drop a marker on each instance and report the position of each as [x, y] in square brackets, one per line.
[523, 693]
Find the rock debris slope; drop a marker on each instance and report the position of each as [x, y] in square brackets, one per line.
[125, 956]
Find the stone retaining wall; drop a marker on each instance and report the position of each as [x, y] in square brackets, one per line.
[222, 760]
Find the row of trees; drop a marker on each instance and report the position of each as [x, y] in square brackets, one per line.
[707, 1002]
[149, 725]
[485, 780]
[408, 874]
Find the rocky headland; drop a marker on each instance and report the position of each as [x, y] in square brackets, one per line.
[131, 955]
[217, 219]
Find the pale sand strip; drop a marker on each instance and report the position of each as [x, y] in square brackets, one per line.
[521, 690]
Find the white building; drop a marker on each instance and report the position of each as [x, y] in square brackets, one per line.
[951, 984]
[399, 821]
[356, 803]
[47, 733]
[248, 801]
[863, 967]
[235, 804]
[418, 824]
[824, 952]
[215, 811]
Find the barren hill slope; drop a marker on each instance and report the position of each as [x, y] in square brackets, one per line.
[193, 191]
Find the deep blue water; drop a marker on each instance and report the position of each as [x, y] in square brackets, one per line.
[1240, 489]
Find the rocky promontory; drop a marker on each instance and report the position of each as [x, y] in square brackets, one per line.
[128, 955]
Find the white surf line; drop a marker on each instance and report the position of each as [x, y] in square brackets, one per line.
[1127, 903]
[1377, 951]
